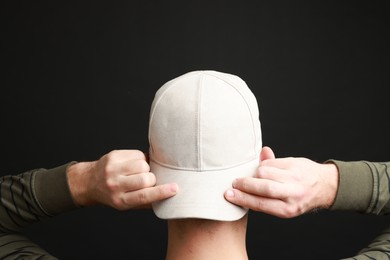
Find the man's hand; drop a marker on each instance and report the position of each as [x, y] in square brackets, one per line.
[120, 179]
[286, 187]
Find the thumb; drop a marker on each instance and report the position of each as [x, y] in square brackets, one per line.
[266, 153]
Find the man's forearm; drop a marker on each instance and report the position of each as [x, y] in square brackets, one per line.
[28, 198]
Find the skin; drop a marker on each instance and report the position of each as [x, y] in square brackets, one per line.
[120, 179]
[193, 239]
[286, 187]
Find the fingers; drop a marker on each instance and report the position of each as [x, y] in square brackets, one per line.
[292, 185]
[273, 207]
[267, 158]
[266, 154]
[137, 181]
[274, 174]
[282, 163]
[122, 179]
[261, 188]
[125, 162]
[130, 182]
[137, 191]
[142, 198]
[125, 155]
[136, 166]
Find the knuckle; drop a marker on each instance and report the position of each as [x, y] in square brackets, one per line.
[137, 154]
[259, 205]
[117, 202]
[112, 185]
[146, 180]
[142, 166]
[143, 181]
[292, 210]
[108, 170]
[259, 172]
[108, 166]
[142, 198]
[268, 189]
[111, 155]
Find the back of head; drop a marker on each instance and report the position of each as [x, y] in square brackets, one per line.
[204, 132]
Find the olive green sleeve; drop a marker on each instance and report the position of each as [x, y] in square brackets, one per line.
[363, 187]
[355, 186]
[52, 191]
[26, 199]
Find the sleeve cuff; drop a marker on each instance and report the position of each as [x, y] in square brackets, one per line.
[355, 186]
[52, 191]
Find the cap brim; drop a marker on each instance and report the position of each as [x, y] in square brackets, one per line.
[201, 194]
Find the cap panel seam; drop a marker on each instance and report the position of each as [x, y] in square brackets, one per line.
[158, 101]
[170, 84]
[205, 170]
[199, 124]
[247, 105]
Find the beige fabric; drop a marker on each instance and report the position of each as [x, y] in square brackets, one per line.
[204, 132]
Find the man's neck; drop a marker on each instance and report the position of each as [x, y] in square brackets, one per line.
[206, 239]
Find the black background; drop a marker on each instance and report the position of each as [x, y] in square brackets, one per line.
[78, 78]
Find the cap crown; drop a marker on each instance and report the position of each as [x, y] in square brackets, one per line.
[204, 121]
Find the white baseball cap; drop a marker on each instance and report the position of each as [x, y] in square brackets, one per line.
[204, 132]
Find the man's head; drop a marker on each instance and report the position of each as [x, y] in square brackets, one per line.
[204, 132]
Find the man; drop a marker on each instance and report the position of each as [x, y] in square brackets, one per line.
[204, 132]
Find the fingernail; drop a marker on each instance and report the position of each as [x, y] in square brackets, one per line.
[234, 183]
[174, 187]
[230, 193]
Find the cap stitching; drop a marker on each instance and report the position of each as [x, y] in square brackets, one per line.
[208, 170]
[199, 130]
[247, 105]
[169, 85]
